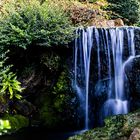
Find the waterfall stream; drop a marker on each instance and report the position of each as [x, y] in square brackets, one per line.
[84, 47]
[102, 54]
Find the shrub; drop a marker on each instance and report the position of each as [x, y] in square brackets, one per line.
[127, 9]
[91, 1]
[10, 124]
[9, 85]
[30, 23]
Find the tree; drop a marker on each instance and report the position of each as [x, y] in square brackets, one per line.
[126, 9]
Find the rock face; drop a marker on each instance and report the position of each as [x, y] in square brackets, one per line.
[82, 14]
[24, 107]
[121, 127]
[132, 71]
[88, 16]
[107, 23]
[133, 75]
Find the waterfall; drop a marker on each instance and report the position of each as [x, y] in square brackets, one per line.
[83, 45]
[119, 104]
[111, 50]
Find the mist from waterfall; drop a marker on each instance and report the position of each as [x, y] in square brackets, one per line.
[105, 48]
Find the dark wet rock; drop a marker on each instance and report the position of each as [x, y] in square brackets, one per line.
[102, 88]
[24, 107]
[132, 71]
[137, 40]
[3, 104]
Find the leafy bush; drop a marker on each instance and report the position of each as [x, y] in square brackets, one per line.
[28, 23]
[9, 84]
[91, 1]
[127, 9]
[10, 124]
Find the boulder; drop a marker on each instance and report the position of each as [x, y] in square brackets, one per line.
[119, 22]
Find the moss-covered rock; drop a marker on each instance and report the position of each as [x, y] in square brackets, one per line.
[57, 107]
[48, 116]
[10, 124]
[120, 127]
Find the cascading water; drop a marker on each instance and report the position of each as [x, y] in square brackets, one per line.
[119, 104]
[111, 50]
[83, 46]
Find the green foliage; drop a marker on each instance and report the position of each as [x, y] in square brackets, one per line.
[127, 9]
[9, 84]
[51, 108]
[48, 115]
[62, 92]
[114, 125]
[91, 1]
[117, 127]
[9, 124]
[62, 84]
[138, 24]
[28, 23]
[57, 107]
[4, 126]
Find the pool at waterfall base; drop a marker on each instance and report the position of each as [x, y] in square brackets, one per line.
[39, 134]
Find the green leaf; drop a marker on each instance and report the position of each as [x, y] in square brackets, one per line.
[10, 90]
[11, 96]
[18, 96]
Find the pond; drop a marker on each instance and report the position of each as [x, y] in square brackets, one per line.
[38, 134]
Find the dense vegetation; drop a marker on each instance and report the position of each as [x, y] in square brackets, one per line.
[32, 23]
[129, 10]
[25, 24]
[116, 128]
